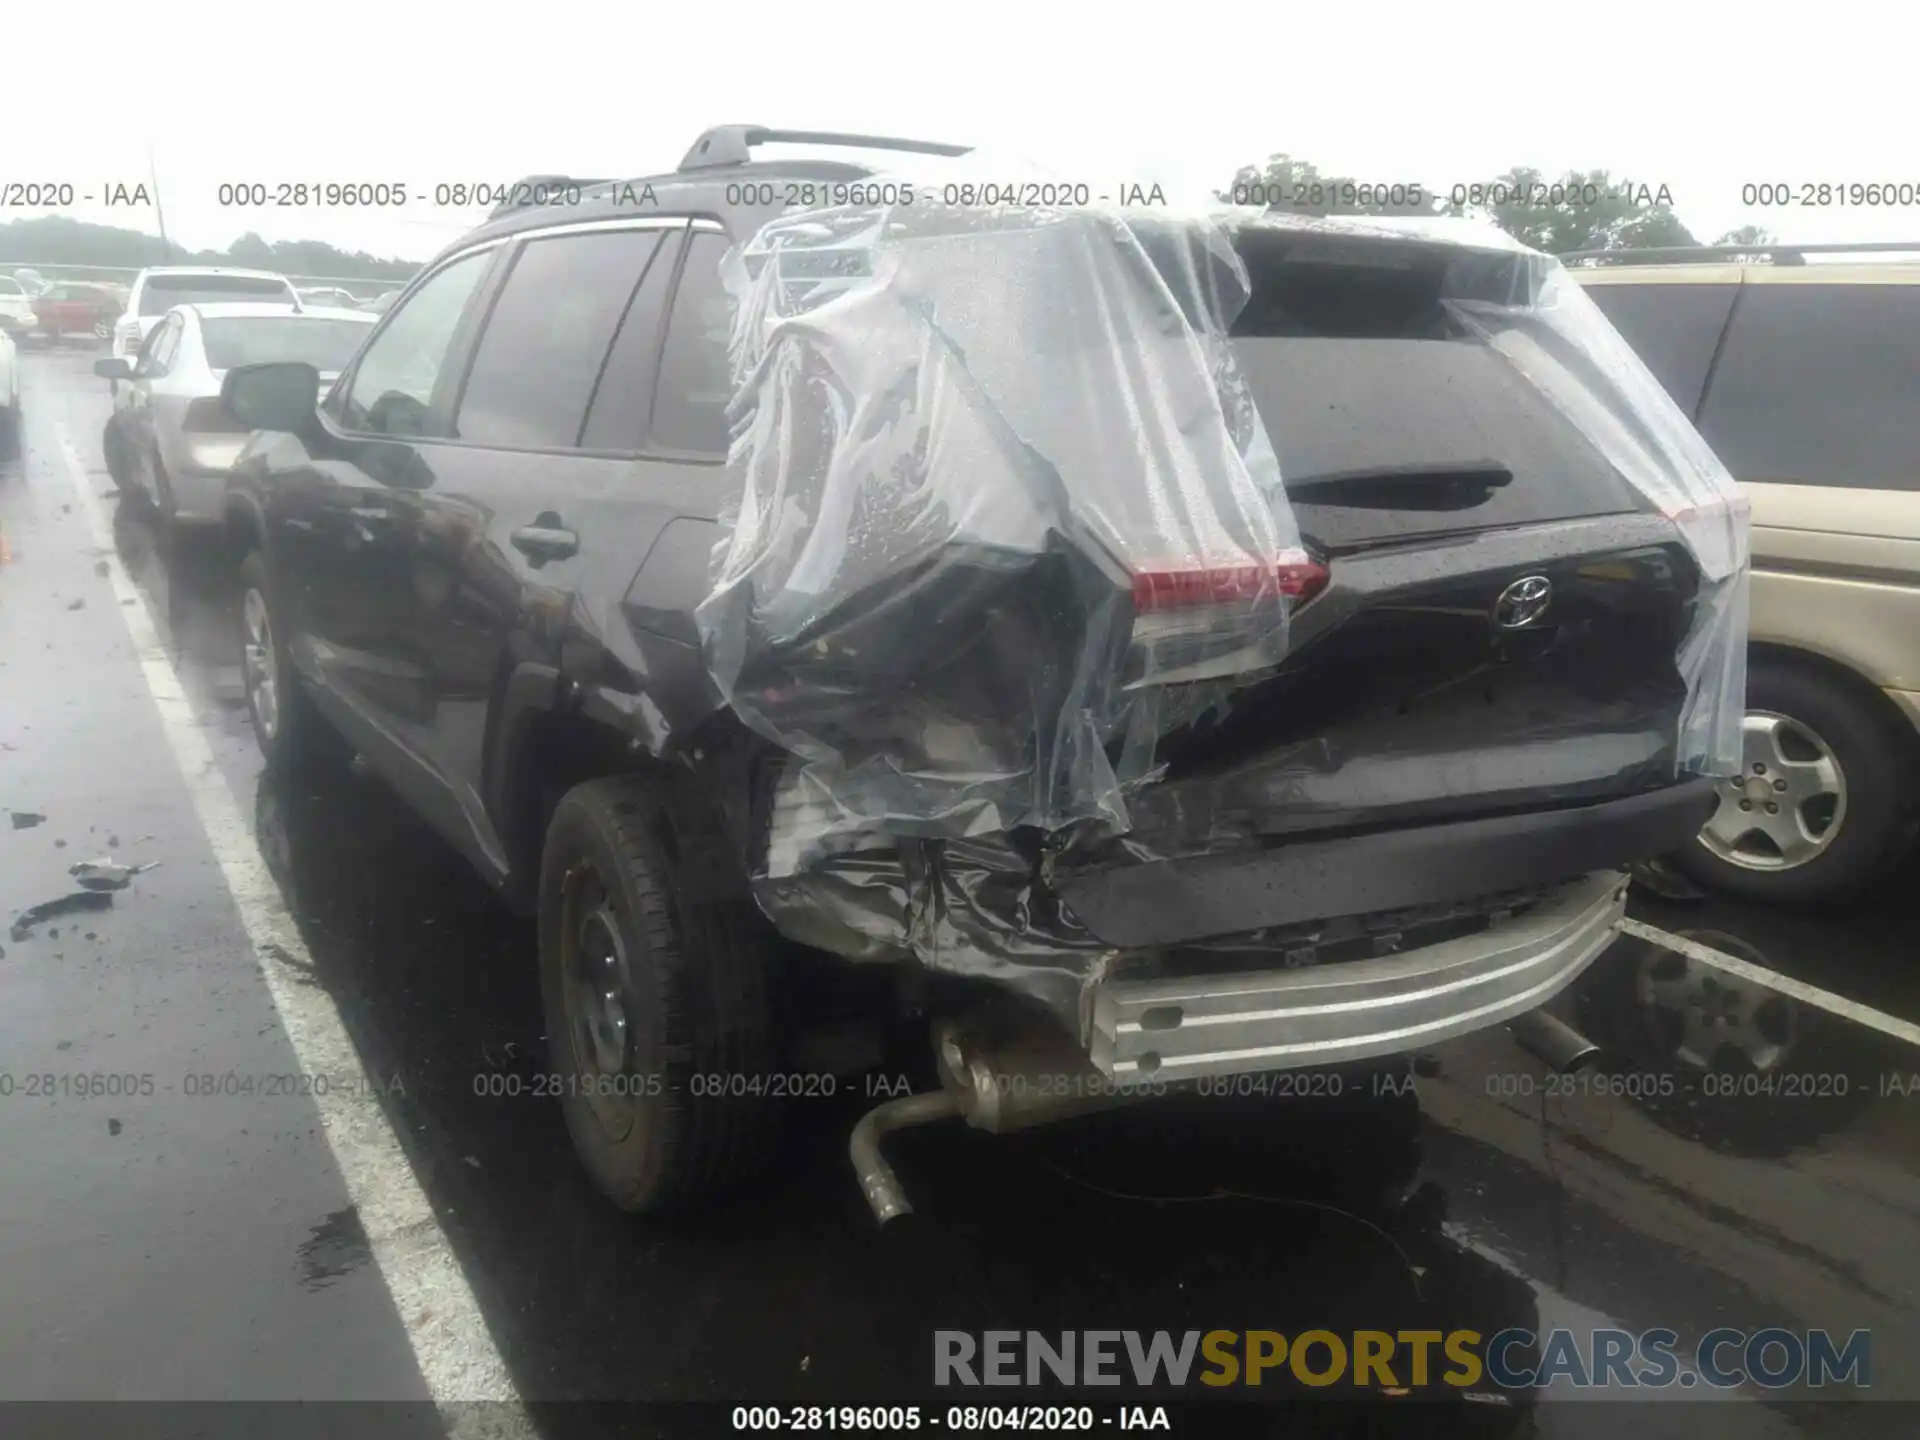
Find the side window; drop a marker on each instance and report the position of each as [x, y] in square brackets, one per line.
[1673, 329]
[690, 404]
[546, 339]
[1817, 385]
[617, 418]
[394, 381]
[158, 354]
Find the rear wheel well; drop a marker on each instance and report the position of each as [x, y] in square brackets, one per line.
[1870, 697]
[556, 753]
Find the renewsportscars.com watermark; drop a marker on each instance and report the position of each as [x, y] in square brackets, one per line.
[1512, 1359]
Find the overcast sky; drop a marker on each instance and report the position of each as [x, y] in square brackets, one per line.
[1701, 99]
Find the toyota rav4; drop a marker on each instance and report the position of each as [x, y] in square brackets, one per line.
[1143, 646]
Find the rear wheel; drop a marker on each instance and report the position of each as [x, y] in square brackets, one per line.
[103, 329]
[654, 978]
[9, 432]
[1819, 806]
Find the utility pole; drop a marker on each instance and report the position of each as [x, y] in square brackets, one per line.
[166, 250]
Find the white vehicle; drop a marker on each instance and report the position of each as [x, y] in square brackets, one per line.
[9, 397]
[159, 289]
[328, 295]
[16, 307]
[170, 436]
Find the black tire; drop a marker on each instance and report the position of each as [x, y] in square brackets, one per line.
[116, 455]
[1875, 761]
[10, 433]
[690, 963]
[297, 733]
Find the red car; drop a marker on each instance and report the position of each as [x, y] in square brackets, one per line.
[74, 309]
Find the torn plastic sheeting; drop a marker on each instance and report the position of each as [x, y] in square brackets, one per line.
[970, 445]
[958, 436]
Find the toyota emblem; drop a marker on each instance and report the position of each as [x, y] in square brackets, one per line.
[1522, 603]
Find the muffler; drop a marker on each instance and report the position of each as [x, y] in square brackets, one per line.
[1553, 1042]
[999, 1073]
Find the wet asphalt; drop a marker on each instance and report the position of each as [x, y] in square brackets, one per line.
[159, 1243]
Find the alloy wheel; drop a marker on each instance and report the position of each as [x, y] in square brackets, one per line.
[262, 678]
[1786, 806]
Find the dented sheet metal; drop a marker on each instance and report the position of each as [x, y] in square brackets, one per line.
[976, 452]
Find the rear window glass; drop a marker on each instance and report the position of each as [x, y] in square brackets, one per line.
[1672, 328]
[265, 339]
[1820, 385]
[162, 292]
[1363, 375]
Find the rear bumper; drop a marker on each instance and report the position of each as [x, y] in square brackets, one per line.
[1138, 906]
[1282, 1019]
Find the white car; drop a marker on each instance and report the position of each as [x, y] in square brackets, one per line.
[9, 397]
[16, 307]
[158, 289]
[328, 295]
[170, 436]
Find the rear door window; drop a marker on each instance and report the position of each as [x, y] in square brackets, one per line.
[546, 340]
[1819, 384]
[1673, 328]
[690, 405]
[623, 398]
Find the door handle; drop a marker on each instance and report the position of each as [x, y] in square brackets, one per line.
[540, 542]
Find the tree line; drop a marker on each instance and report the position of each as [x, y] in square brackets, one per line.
[58, 240]
[1577, 210]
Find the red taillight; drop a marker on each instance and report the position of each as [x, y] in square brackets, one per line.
[1156, 590]
[209, 417]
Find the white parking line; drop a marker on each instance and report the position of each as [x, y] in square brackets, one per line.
[456, 1355]
[1812, 994]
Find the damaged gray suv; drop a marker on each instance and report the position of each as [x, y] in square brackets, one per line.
[1133, 645]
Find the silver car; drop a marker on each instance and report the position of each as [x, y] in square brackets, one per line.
[170, 437]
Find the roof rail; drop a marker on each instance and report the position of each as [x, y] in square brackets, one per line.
[731, 144]
[526, 190]
[1781, 254]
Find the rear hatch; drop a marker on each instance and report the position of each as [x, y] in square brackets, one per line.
[1431, 479]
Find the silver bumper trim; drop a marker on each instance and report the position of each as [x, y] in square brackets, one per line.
[1356, 1010]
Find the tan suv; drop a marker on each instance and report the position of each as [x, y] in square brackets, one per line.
[1805, 379]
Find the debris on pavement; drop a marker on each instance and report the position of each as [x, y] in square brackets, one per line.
[60, 905]
[79, 602]
[105, 874]
[113, 1127]
[1660, 878]
[26, 819]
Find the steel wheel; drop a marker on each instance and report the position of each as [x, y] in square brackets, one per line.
[262, 674]
[596, 978]
[1788, 803]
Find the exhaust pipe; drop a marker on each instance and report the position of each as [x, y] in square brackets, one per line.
[999, 1073]
[1553, 1042]
[878, 1183]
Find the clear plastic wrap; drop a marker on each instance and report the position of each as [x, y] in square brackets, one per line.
[977, 448]
[971, 443]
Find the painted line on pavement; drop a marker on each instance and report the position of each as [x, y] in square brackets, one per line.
[456, 1354]
[1799, 989]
